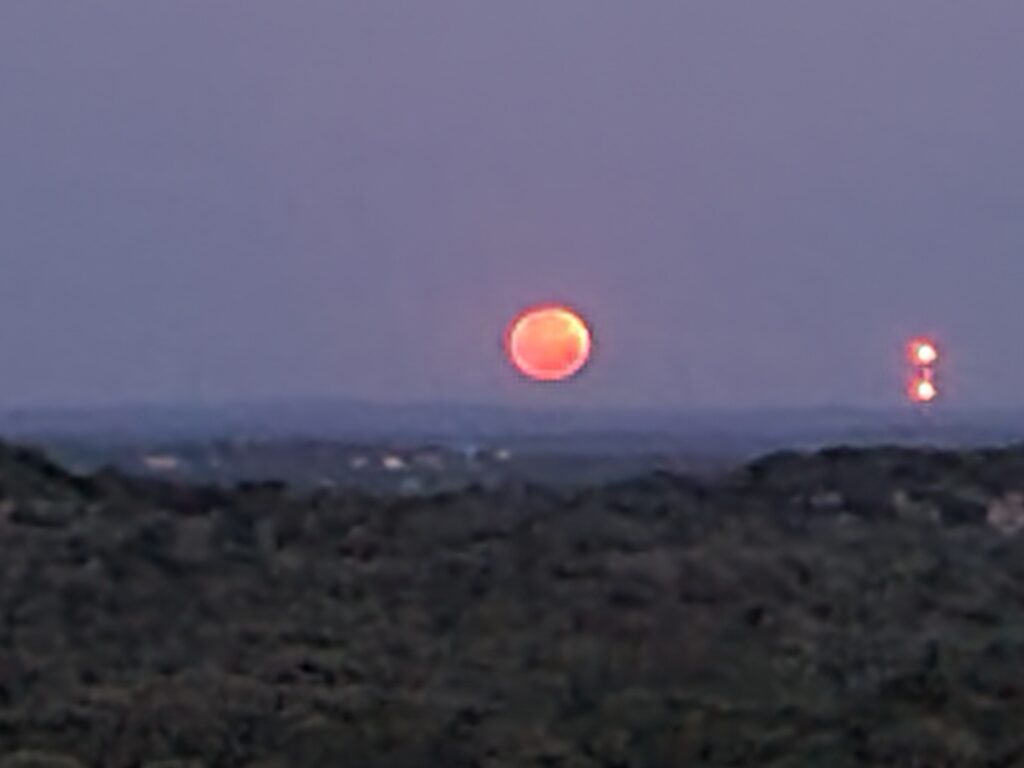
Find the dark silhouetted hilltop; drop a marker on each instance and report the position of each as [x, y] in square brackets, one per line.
[851, 607]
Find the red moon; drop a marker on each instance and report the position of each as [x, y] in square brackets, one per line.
[548, 343]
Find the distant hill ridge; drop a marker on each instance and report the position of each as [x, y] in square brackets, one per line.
[743, 432]
[868, 474]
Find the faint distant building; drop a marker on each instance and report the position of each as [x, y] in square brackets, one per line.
[161, 463]
[1007, 514]
[393, 462]
[469, 452]
[412, 486]
[431, 459]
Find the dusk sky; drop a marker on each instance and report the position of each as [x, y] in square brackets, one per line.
[754, 203]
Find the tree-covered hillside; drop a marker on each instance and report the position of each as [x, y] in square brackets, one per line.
[847, 608]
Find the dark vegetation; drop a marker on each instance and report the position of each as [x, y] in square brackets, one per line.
[848, 608]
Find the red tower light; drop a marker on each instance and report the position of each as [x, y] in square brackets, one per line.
[923, 354]
[923, 390]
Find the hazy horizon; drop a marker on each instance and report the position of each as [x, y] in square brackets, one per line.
[534, 405]
[755, 204]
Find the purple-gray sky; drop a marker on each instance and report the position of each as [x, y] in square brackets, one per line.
[754, 202]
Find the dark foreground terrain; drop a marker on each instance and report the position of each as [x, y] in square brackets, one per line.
[850, 608]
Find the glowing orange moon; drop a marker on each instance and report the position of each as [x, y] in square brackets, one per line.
[548, 343]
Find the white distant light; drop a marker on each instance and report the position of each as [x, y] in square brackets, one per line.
[393, 463]
[925, 353]
[924, 391]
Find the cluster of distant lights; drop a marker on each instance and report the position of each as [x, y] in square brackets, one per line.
[552, 343]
